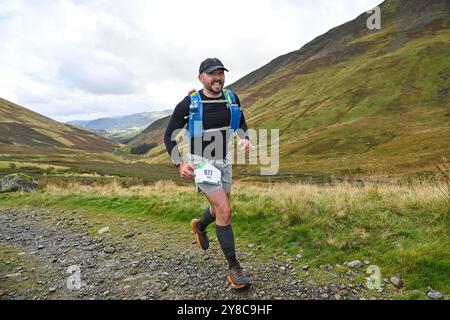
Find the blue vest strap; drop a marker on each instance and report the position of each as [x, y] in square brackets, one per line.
[195, 126]
[234, 110]
[195, 123]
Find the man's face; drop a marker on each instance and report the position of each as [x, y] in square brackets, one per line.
[213, 81]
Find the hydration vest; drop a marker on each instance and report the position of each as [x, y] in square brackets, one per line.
[195, 126]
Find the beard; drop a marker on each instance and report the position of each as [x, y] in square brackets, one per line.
[215, 86]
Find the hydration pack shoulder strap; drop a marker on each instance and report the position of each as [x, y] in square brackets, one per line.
[195, 122]
[195, 126]
[234, 110]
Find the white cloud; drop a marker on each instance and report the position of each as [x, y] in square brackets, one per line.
[72, 59]
[100, 73]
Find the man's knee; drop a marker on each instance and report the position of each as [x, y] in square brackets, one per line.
[224, 210]
[223, 213]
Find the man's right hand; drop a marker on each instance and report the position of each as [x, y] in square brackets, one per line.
[186, 171]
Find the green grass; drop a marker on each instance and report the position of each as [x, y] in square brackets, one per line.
[395, 228]
[140, 171]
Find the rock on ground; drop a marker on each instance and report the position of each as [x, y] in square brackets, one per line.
[18, 182]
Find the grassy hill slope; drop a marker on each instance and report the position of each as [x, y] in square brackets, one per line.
[154, 133]
[24, 133]
[361, 101]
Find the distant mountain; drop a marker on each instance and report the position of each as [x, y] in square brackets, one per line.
[24, 133]
[356, 100]
[139, 120]
[121, 128]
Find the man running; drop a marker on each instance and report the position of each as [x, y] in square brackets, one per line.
[211, 147]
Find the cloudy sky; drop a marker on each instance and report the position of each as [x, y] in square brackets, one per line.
[84, 59]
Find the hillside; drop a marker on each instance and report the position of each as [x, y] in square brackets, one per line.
[152, 134]
[24, 133]
[360, 101]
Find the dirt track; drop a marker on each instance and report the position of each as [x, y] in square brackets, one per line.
[135, 260]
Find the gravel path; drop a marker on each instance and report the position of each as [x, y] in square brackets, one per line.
[135, 260]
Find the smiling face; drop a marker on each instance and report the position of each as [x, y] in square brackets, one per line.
[213, 82]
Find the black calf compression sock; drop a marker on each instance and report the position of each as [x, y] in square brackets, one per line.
[226, 240]
[206, 220]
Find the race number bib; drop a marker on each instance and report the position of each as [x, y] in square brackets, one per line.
[207, 173]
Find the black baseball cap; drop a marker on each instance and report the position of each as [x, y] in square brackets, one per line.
[210, 65]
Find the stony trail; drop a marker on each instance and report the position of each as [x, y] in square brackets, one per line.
[137, 259]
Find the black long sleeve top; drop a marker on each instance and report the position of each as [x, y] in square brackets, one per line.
[215, 116]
